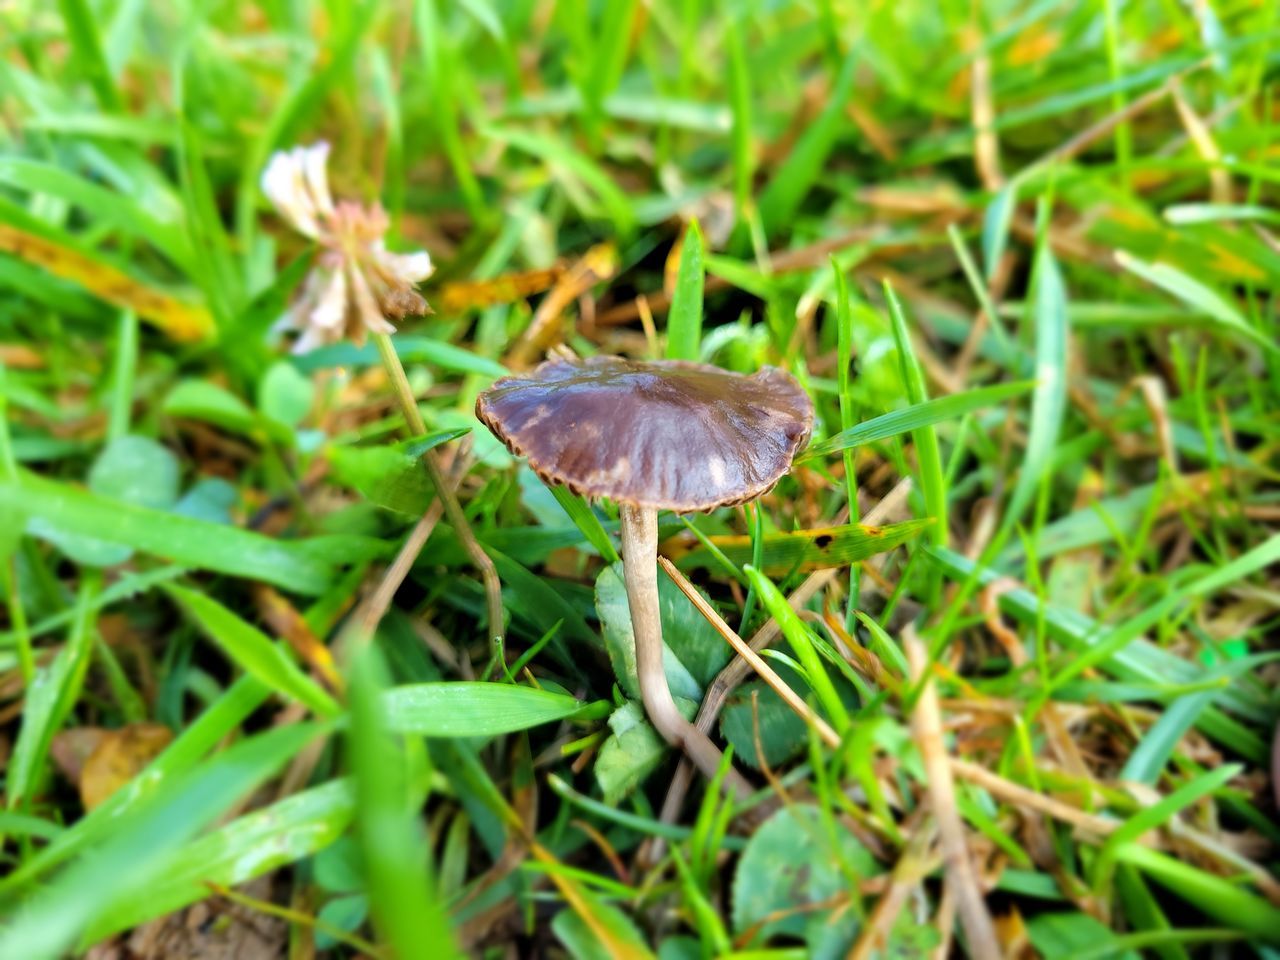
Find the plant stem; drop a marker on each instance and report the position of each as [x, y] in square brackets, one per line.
[452, 509]
[640, 571]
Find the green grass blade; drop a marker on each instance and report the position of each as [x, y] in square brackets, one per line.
[307, 566]
[932, 481]
[1049, 399]
[461, 708]
[132, 859]
[254, 652]
[740, 102]
[1262, 557]
[1201, 298]
[585, 519]
[797, 634]
[812, 549]
[82, 31]
[396, 856]
[684, 321]
[247, 847]
[49, 701]
[793, 180]
[1215, 896]
[918, 416]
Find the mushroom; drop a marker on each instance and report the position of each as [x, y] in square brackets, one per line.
[665, 435]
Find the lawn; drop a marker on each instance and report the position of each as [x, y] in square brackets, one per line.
[301, 657]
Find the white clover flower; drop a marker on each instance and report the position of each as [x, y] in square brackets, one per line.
[356, 283]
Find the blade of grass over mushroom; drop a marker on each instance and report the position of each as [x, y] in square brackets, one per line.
[684, 320]
[307, 566]
[132, 857]
[917, 416]
[462, 708]
[585, 519]
[1049, 399]
[804, 550]
[395, 851]
[255, 653]
[932, 483]
[1203, 299]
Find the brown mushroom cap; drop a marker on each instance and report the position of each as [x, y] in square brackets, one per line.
[670, 435]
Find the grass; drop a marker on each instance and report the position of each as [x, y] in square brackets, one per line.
[1022, 257]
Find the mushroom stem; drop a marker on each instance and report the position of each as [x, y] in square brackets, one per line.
[640, 571]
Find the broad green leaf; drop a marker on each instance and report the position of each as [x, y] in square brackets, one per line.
[201, 400]
[285, 395]
[253, 651]
[693, 652]
[783, 734]
[918, 415]
[581, 941]
[459, 708]
[131, 469]
[391, 476]
[410, 349]
[790, 867]
[1064, 936]
[307, 566]
[136, 470]
[684, 319]
[632, 752]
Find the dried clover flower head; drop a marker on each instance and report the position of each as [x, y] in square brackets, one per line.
[356, 282]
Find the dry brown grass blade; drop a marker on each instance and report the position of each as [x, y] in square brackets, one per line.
[597, 264]
[962, 877]
[474, 294]
[914, 864]
[365, 619]
[753, 659]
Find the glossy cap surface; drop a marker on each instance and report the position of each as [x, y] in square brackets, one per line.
[670, 434]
